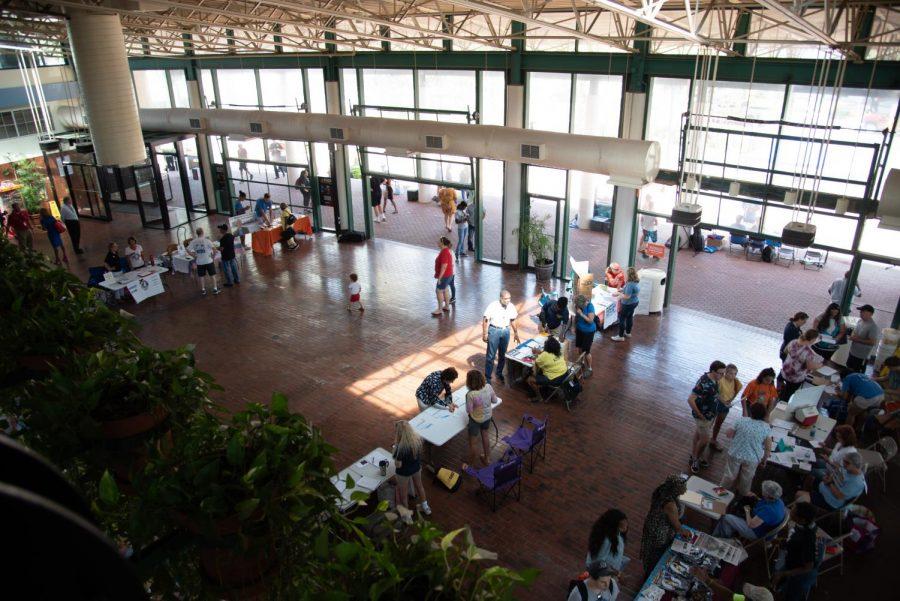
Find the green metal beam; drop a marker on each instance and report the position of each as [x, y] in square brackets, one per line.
[277, 39]
[445, 27]
[229, 40]
[741, 30]
[385, 32]
[636, 80]
[867, 18]
[514, 70]
[188, 44]
[731, 68]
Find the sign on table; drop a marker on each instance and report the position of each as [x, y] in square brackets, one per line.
[144, 287]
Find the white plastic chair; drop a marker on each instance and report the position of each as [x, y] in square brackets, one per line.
[877, 456]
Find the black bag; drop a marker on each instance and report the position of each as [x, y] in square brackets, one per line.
[290, 219]
[697, 240]
[767, 254]
[581, 586]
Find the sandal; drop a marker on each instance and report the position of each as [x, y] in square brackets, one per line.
[437, 313]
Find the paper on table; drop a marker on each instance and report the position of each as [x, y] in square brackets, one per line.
[368, 483]
[651, 593]
[783, 424]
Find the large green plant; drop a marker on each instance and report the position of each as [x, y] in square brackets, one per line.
[538, 243]
[33, 181]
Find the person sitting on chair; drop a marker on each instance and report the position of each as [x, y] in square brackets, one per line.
[287, 227]
[550, 369]
[428, 394]
[615, 277]
[839, 486]
[798, 574]
[766, 514]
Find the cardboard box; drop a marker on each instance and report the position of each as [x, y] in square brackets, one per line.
[582, 280]
[715, 241]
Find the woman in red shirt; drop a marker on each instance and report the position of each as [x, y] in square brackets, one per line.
[443, 273]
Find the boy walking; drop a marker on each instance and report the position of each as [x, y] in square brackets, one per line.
[354, 289]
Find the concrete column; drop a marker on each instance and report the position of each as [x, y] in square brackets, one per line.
[512, 179]
[333, 104]
[622, 240]
[98, 49]
[195, 99]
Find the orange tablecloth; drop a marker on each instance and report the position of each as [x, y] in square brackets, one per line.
[303, 225]
[263, 240]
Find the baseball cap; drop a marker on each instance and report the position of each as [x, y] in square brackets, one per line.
[757, 593]
[599, 569]
[868, 308]
[223, 227]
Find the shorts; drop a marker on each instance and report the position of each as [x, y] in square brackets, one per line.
[864, 403]
[376, 201]
[207, 269]
[584, 340]
[650, 236]
[543, 380]
[722, 408]
[443, 283]
[704, 426]
[475, 428]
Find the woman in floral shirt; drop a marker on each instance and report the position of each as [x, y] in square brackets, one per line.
[799, 360]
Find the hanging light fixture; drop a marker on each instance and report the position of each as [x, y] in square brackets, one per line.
[734, 189]
[841, 205]
[790, 198]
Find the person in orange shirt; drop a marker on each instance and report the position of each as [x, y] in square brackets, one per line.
[761, 390]
[615, 276]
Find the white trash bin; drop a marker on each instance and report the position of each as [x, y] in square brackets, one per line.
[887, 346]
[655, 280]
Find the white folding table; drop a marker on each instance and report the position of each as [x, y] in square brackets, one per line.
[366, 475]
[706, 489]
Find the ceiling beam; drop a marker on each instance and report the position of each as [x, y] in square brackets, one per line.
[522, 18]
[808, 28]
[652, 20]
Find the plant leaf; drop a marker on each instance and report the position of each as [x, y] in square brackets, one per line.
[109, 491]
[447, 540]
[346, 551]
[279, 405]
[235, 451]
[246, 507]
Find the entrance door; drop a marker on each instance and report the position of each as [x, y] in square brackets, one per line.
[84, 188]
[192, 176]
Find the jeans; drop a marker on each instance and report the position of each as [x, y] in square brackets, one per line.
[452, 287]
[74, 232]
[472, 237]
[462, 233]
[730, 525]
[229, 268]
[498, 340]
[626, 318]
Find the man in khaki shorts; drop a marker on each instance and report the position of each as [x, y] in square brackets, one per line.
[703, 407]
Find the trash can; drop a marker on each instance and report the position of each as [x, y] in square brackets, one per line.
[887, 346]
[655, 279]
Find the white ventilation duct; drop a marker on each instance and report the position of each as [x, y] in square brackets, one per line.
[98, 48]
[628, 162]
[69, 118]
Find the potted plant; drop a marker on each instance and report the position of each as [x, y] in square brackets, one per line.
[34, 186]
[539, 245]
[255, 491]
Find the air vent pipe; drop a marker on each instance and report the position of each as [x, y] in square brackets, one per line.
[627, 162]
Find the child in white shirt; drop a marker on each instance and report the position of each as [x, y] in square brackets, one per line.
[354, 289]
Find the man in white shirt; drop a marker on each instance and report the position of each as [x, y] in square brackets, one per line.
[499, 317]
[837, 288]
[202, 250]
[70, 219]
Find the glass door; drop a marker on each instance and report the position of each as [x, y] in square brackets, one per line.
[84, 188]
[547, 190]
[192, 176]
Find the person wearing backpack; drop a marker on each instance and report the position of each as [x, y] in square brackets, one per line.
[599, 584]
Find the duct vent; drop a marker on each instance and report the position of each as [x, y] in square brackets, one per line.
[533, 151]
[336, 133]
[197, 123]
[257, 127]
[435, 142]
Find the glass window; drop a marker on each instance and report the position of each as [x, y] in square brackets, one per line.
[180, 89]
[880, 241]
[738, 215]
[493, 98]
[350, 89]
[315, 79]
[446, 90]
[547, 181]
[597, 105]
[387, 87]
[152, 89]
[282, 89]
[207, 88]
[548, 101]
[668, 102]
[237, 88]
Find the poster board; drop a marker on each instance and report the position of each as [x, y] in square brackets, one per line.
[142, 288]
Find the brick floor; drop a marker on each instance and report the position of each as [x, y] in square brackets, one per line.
[286, 329]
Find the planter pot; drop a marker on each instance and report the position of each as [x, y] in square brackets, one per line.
[544, 271]
[229, 568]
[135, 425]
[125, 440]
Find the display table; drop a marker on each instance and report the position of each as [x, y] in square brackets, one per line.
[264, 239]
[521, 358]
[141, 283]
[366, 476]
[303, 225]
[605, 305]
[702, 497]
[818, 432]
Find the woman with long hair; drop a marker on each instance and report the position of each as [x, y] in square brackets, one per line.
[607, 540]
[831, 457]
[799, 360]
[479, 403]
[792, 330]
[831, 324]
[408, 458]
[48, 222]
[761, 390]
[729, 387]
[663, 521]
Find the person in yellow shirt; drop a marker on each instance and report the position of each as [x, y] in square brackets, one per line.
[729, 387]
[550, 368]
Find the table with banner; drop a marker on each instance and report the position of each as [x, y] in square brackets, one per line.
[264, 239]
[142, 283]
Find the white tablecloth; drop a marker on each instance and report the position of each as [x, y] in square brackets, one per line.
[437, 426]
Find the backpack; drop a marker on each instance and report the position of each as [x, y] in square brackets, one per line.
[767, 254]
[461, 217]
[290, 219]
[581, 586]
[697, 240]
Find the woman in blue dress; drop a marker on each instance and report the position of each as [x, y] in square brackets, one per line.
[48, 222]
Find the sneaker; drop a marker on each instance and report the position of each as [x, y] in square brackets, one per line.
[405, 515]
[627, 334]
[453, 301]
[227, 285]
[203, 292]
[703, 463]
[464, 255]
[501, 378]
[695, 467]
[588, 372]
[216, 291]
[424, 508]
[618, 338]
